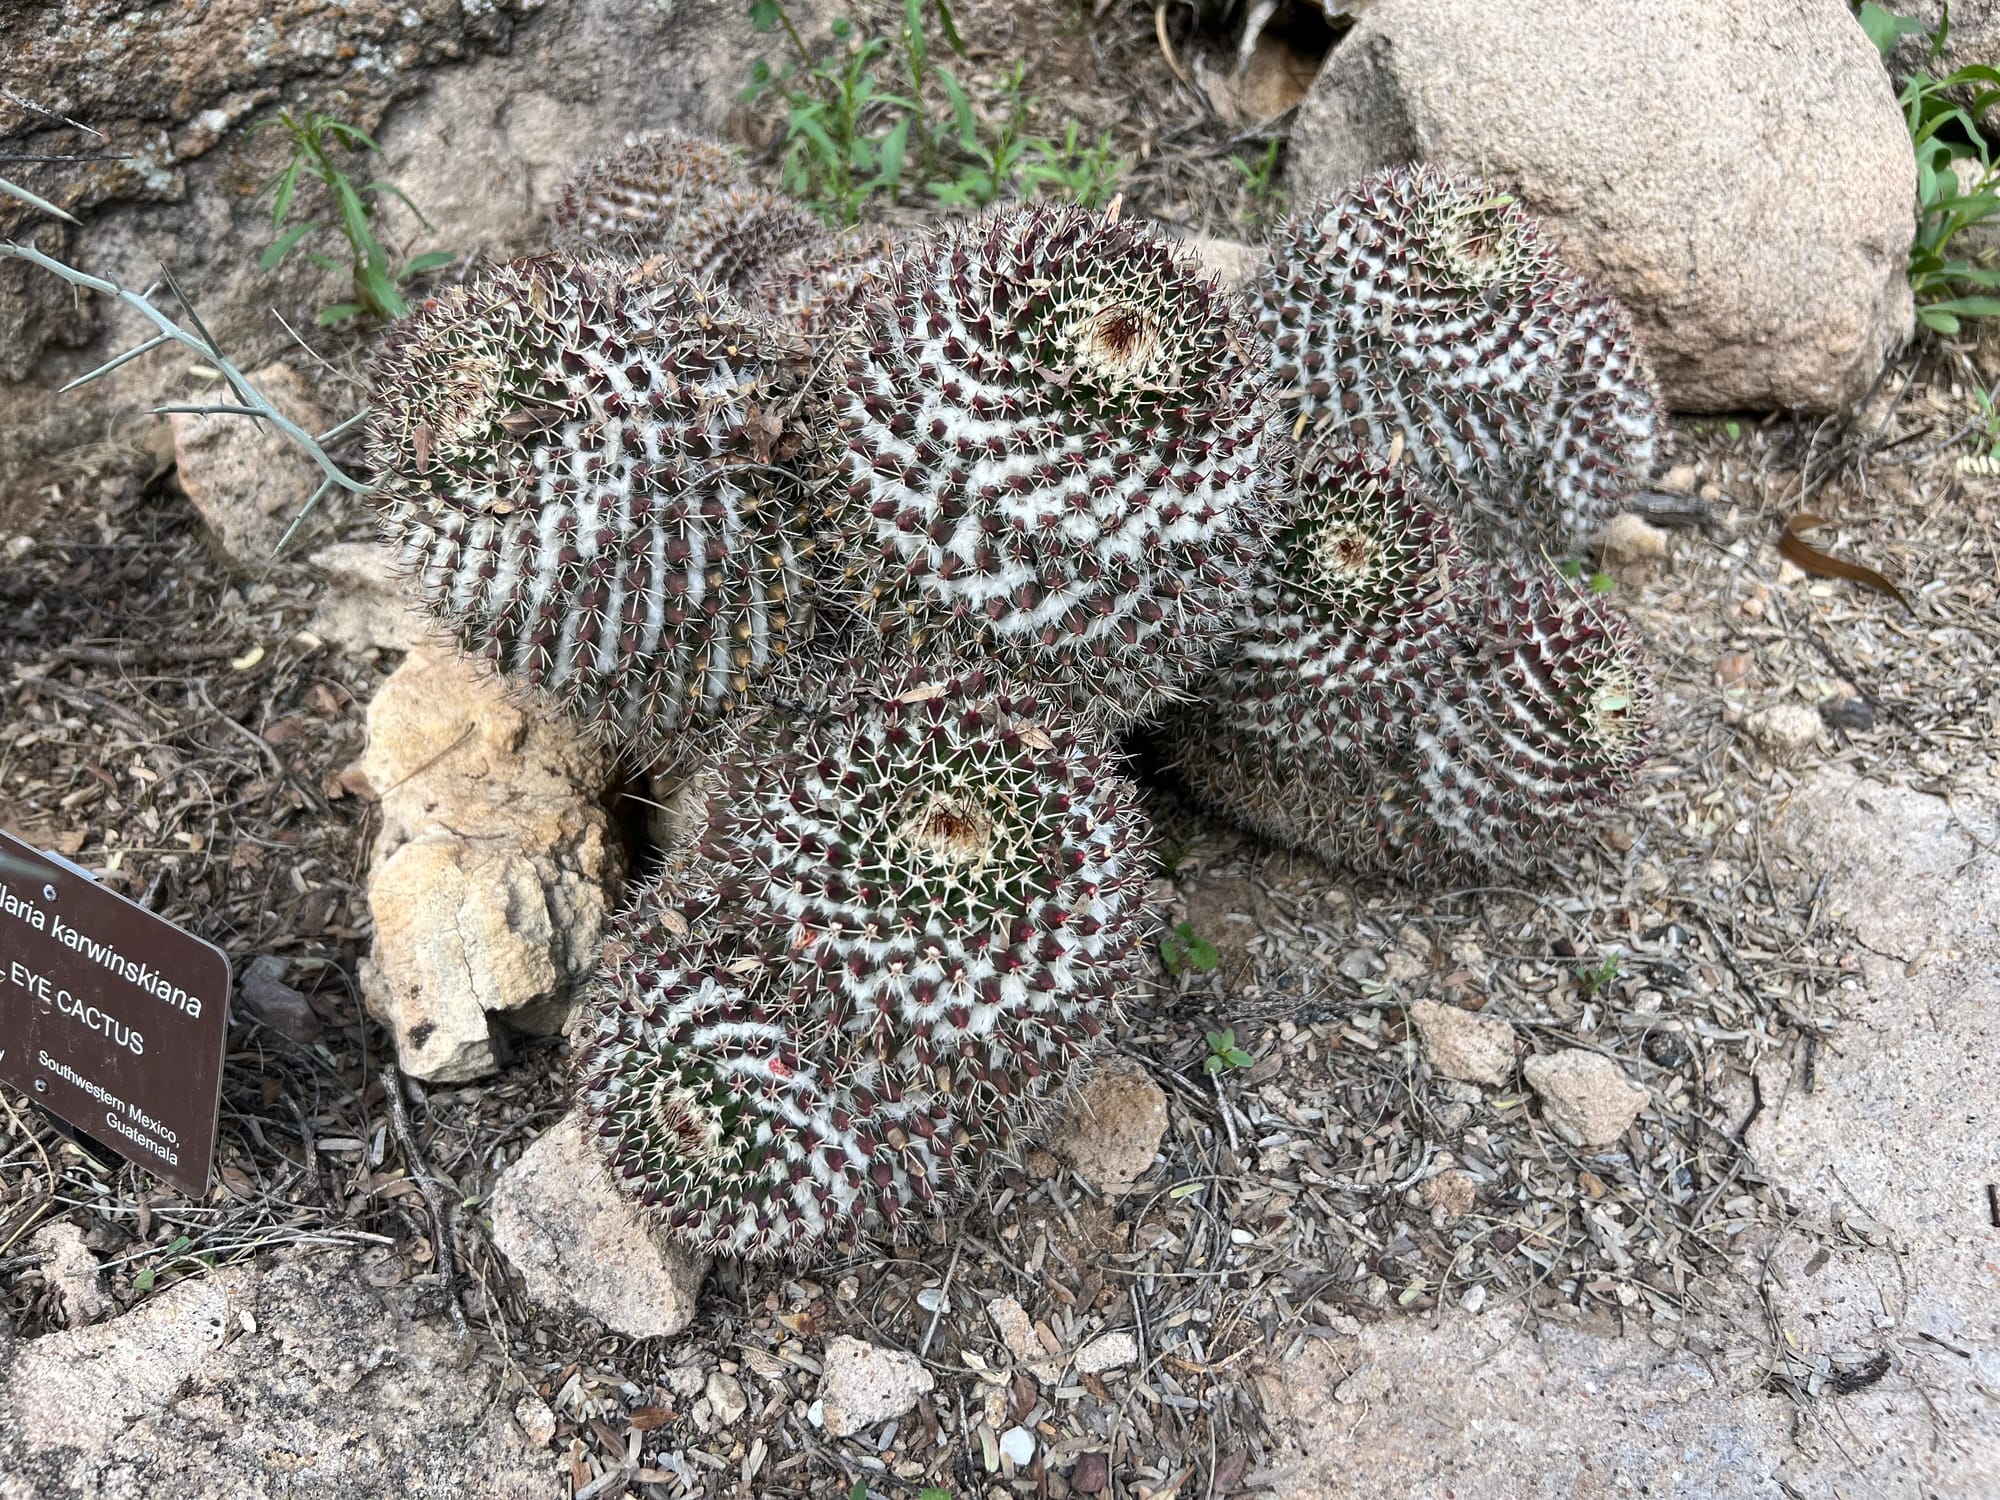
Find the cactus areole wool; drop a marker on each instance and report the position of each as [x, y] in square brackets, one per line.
[110, 1017]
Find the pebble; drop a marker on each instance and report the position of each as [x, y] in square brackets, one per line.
[1017, 1444]
[1784, 730]
[1109, 1351]
[1733, 666]
[1111, 1132]
[864, 1383]
[725, 1397]
[1459, 1044]
[1630, 541]
[1679, 480]
[536, 1421]
[1585, 1095]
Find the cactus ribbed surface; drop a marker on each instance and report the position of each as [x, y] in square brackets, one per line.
[911, 911]
[687, 199]
[1425, 309]
[583, 466]
[819, 289]
[1059, 456]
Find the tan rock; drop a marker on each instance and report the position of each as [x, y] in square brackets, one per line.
[1112, 1131]
[1630, 544]
[864, 1384]
[1741, 179]
[1785, 731]
[493, 868]
[1462, 1045]
[1233, 263]
[247, 479]
[582, 1245]
[1585, 1095]
[72, 1270]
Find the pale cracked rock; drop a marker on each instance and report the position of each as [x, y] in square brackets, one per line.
[1017, 1332]
[1112, 1130]
[72, 1270]
[1461, 1045]
[1784, 731]
[581, 1244]
[1110, 1351]
[493, 870]
[361, 605]
[864, 1384]
[725, 1397]
[247, 479]
[291, 1376]
[1585, 1095]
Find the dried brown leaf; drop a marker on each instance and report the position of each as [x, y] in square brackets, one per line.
[1809, 559]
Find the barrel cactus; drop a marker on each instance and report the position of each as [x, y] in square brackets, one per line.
[687, 199]
[1425, 312]
[584, 467]
[911, 910]
[1059, 456]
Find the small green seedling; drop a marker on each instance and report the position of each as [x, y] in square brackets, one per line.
[1184, 949]
[1600, 583]
[1596, 981]
[315, 138]
[144, 1280]
[1223, 1053]
[1259, 174]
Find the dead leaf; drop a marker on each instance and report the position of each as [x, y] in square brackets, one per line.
[1810, 560]
[646, 1418]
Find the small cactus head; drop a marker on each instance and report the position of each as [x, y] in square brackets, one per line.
[1427, 310]
[683, 198]
[819, 289]
[584, 468]
[1059, 456]
[911, 910]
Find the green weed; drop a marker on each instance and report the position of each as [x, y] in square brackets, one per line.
[1184, 949]
[1223, 1053]
[1600, 583]
[1259, 180]
[1958, 183]
[1596, 981]
[314, 139]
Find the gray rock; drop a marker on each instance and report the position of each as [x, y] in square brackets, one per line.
[725, 1397]
[1739, 177]
[293, 1377]
[1785, 731]
[582, 1245]
[363, 605]
[1112, 1129]
[265, 998]
[1110, 1351]
[72, 1270]
[864, 1384]
[1460, 1044]
[1584, 1094]
[246, 478]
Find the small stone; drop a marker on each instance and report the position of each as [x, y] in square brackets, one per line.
[1450, 1194]
[1017, 1332]
[1017, 1445]
[1855, 715]
[246, 478]
[725, 1397]
[536, 1421]
[1628, 541]
[864, 1384]
[1041, 1165]
[685, 1381]
[1231, 262]
[360, 606]
[1733, 667]
[1110, 1351]
[19, 547]
[1113, 1128]
[1585, 1095]
[1459, 1044]
[580, 1244]
[1359, 963]
[1784, 731]
[1679, 480]
[265, 998]
[1091, 1474]
[1369, 1383]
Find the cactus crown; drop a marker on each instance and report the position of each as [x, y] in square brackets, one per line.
[583, 466]
[1058, 456]
[1426, 309]
[915, 905]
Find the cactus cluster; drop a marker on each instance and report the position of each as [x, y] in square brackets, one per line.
[888, 538]
[1058, 455]
[910, 906]
[1402, 711]
[1426, 310]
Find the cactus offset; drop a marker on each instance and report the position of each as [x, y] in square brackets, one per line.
[1059, 457]
[1428, 309]
[914, 904]
[819, 289]
[582, 465]
[687, 199]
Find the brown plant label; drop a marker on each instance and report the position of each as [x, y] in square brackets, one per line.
[110, 1017]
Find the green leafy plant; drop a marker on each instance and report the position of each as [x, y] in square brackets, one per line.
[1599, 978]
[1259, 174]
[144, 1280]
[1958, 182]
[1600, 583]
[1184, 949]
[881, 115]
[315, 138]
[1223, 1053]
